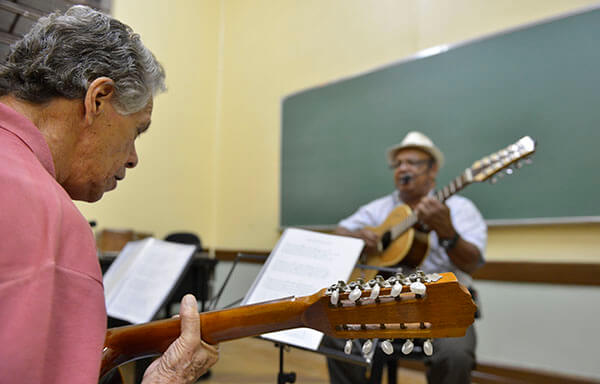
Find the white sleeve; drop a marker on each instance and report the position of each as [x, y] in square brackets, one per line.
[369, 215]
[469, 224]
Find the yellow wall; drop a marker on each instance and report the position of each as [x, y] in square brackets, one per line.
[211, 160]
[172, 187]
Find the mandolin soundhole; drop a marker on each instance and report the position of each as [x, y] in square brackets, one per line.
[386, 240]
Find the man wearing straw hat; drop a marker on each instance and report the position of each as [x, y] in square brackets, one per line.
[457, 240]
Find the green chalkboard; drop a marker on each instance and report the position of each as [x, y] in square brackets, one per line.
[472, 99]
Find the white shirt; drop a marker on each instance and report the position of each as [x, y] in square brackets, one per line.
[465, 217]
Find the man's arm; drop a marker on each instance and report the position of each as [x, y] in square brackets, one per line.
[436, 215]
[367, 236]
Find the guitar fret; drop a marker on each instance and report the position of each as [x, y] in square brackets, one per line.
[400, 228]
[453, 187]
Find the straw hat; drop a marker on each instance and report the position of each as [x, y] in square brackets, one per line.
[417, 140]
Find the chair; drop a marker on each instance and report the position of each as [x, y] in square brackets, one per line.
[185, 238]
[391, 362]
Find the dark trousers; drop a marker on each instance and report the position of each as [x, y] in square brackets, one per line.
[452, 361]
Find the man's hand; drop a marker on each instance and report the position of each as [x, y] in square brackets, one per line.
[436, 216]
[368, 237]
[188, 357]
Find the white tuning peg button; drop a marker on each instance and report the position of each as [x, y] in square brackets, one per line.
[407, 347]
[355, 294]
[428, 347]
[387, 347]
[335, 297]
[348, 347]
[367, 347]
[418, 288]
[374, 292]
[396, 289]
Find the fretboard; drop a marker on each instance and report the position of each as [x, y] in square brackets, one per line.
[441, 195]
[454, 186]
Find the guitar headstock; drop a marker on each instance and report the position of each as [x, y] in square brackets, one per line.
[487, 167]
[415, 306]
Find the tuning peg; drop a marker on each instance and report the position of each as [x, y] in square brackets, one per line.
[396, 289]
[408, 346]
[355, 294]
[348, 347]
[381, 281]
[367, 347]
[399, 275]
[374, 292]
[509, 171]
[387, 347]
[428, 347]
[335, 297]
[528, 161]
[418, 288]
[519, 164]
[493, 180]
[433, 277]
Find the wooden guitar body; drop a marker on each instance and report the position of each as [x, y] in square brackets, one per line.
[408, 249]
[397, 249]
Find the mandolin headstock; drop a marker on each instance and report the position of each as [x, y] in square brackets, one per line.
[487, 167]
[415, 306]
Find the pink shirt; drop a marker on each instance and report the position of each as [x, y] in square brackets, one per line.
[52, 311]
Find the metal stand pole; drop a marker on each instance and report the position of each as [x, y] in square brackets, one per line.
[282, 377]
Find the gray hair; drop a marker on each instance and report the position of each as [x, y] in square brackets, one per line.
[64, 53]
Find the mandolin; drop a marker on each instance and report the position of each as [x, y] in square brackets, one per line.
[415, 306]
[401, 243]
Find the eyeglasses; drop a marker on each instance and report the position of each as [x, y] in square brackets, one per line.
[411, 163]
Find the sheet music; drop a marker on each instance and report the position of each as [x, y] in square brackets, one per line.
[139, 280]
[302, 263]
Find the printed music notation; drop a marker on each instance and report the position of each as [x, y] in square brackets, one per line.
[301, 263]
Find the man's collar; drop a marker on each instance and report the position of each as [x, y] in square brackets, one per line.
[396, 196]
[29, 134]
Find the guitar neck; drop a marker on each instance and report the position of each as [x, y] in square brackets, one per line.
[382, 309]
[131, 342]
[454, 186]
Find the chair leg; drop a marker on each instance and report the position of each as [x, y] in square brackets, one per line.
[392, 367]
[376, 371]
